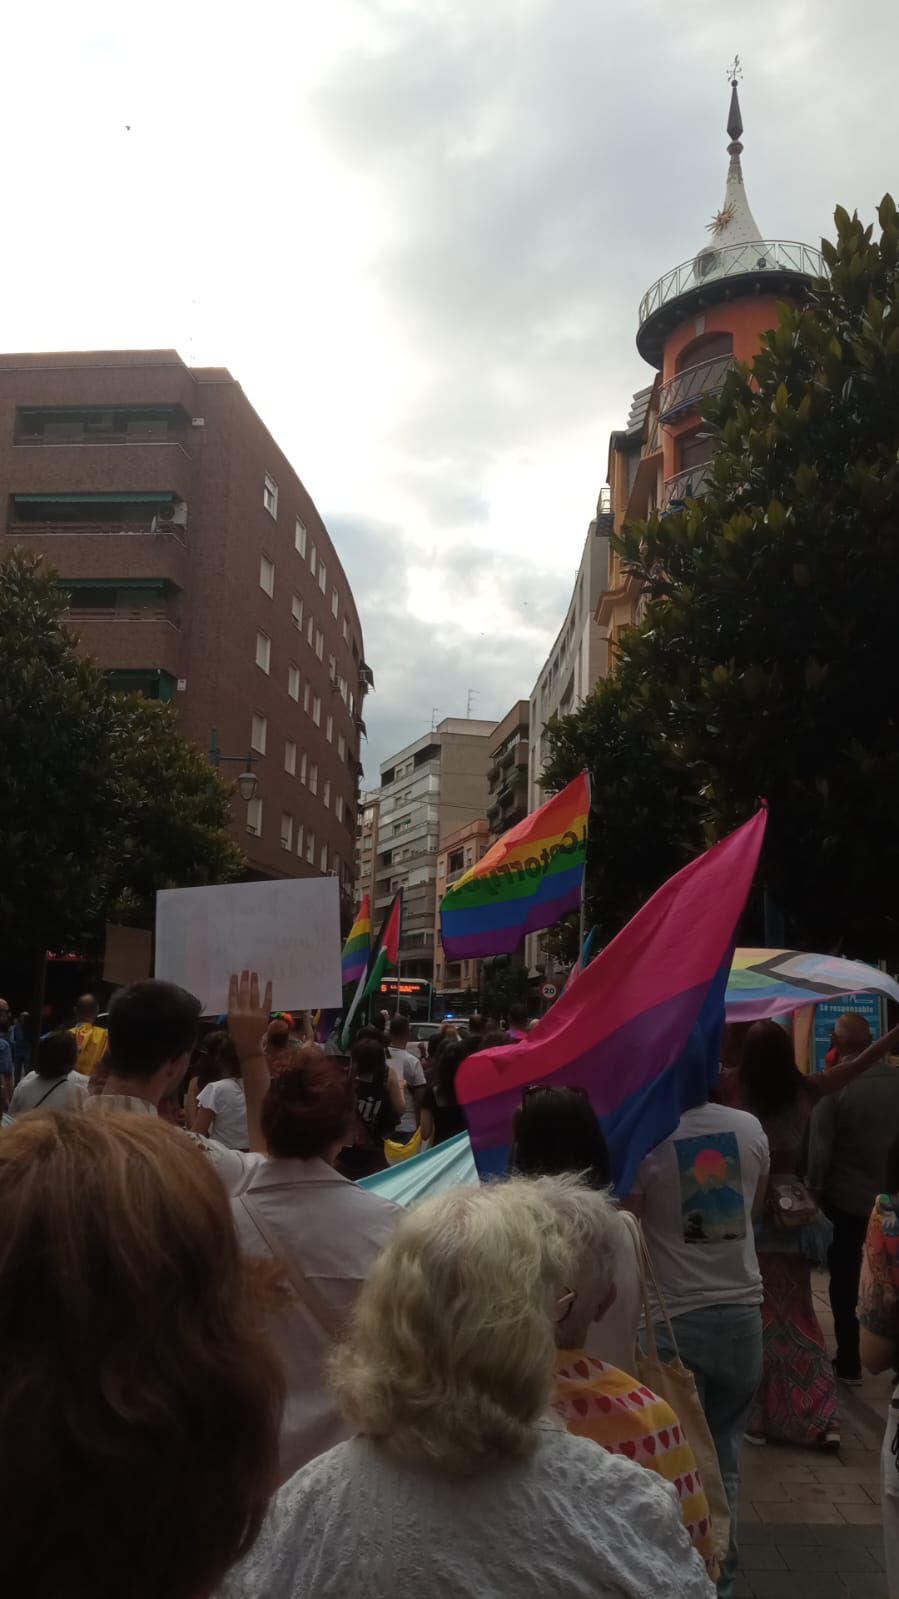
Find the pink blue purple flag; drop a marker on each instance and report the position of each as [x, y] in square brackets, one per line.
[639, 1029]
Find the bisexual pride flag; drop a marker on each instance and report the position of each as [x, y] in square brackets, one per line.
[639, 1029]
[356, 950]
[531, 877]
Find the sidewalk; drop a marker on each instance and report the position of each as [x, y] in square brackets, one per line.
[810, 1523]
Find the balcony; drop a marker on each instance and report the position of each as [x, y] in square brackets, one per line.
[763, 266]
[122, 643]
[685, 486]
[684, 391]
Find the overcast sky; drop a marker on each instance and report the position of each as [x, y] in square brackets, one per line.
[417, 232]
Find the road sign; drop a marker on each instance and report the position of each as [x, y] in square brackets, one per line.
[549, 991]
[829, 1010]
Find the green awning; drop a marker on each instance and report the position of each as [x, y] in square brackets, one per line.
[93, 499]
[111, 583]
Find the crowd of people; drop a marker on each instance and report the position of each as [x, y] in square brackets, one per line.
[276, 1382]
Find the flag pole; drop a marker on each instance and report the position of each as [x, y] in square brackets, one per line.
[582, 923]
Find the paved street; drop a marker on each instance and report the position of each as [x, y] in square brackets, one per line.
[810, 1523]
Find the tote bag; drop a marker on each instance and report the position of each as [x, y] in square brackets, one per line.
[673, 1381]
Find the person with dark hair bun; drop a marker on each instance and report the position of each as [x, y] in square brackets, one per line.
[56, 1083]
[324, 1231]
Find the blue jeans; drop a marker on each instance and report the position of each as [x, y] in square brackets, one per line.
[722, 1346]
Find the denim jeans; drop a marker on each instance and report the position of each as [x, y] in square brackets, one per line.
[722, 1346]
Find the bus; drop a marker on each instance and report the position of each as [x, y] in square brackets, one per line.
[414, 995]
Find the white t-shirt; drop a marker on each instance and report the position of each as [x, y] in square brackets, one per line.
[573, 1521]
[698, 1188]
[411, 1074]
[49, 1093]
[235, 1168]
[228, 1104]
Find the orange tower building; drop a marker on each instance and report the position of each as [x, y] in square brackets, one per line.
[693, 324]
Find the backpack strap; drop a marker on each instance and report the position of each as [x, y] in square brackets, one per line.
[306, 1292]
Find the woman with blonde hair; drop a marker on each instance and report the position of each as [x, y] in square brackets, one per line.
[139, 1415]
[461, 1480]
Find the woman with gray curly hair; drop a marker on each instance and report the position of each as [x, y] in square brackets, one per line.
[461, 1480]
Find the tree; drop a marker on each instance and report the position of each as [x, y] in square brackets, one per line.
[101, 801]
[766, 660]
[644, 823]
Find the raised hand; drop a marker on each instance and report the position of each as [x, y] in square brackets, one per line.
[247, 1018]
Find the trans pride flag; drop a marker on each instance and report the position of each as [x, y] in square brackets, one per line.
[639, 1028]
[354, 959]
[530, 878]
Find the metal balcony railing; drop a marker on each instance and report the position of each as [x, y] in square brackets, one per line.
[687, 388]
[732, 261]
[685, 486]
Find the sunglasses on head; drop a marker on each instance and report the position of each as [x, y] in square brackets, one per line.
[549, 1088]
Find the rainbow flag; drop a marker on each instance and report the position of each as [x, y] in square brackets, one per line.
[774, 982]
[354, 958]
[530, 878]
[640, 1028]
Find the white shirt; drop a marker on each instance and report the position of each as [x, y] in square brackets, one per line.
[235, 1168]
[65, 1092]
[573, 1521]
[334, 1232]
[227, 1101]
[698, 1188]
[411, 1074]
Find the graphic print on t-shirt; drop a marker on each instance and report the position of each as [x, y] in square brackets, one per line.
[711, 1188]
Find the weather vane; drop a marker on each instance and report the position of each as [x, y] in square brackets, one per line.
[735, 72]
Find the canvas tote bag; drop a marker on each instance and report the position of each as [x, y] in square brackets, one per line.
[673, 1381]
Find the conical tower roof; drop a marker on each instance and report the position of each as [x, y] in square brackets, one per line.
[734, 223]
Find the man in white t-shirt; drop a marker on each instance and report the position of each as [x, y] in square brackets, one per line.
[410, 1072]
[696, 1194]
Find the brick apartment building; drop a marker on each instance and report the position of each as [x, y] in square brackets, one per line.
[199, 572]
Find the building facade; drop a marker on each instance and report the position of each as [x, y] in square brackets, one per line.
[457, 982]
[367, 845]
[199, 572]
[432, 787]
[694, 324]
[507, 774]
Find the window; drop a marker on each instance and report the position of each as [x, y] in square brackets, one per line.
[332, 668]
[346, 630]
[313, 560]
[296, 611]
[290, 757]
[300, 835]
[335, 604]
[258, 732]
[326, 794]
[338, 807]
[303, 767]
[319, 644]
[341, 684]
[263, 652]
[293, 681]
[270, 495]
[317, 710]
[286, 830]
[306, 694]
[352, 704]
[341, 746]
[254, 817]
[299, 538]
[323, 858]
[323, 578]
[313, 778]
[310, 847]
[310, 630]
[329, 729]
[266, 575]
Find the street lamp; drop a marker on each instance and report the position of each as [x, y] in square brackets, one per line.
[247, 782]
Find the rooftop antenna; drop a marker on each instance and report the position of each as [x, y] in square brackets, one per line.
[472, 695]
[434, 711]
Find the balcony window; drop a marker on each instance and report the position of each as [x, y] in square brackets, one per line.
[263, 652]
[313, 778]
[293, 681]
[326, 794]
[307, 694]
[310, 630]
[341, 746]
[335, 604]
[320, 644]
[299, 538]
[329, 729]
[270, 495]
[313, 560]
[92, 425]
[303, 764]
[101, 513]
[338, 807]
[323, 578]
[290, 757]
[258, 733]
[317, 710]
[696, 448]
[706, 348]
[300, 838]
[296, 611]
[118, 599]
[286, 830]
[323, 859]
[266, 575]
[310, 847]
[254, 817]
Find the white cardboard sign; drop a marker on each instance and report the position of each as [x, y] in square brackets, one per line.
[287, 930]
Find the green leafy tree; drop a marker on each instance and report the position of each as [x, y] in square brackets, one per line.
[767, 659]
[644, 822]
[101, 801]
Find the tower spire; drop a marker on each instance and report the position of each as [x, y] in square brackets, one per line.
[734, 223]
